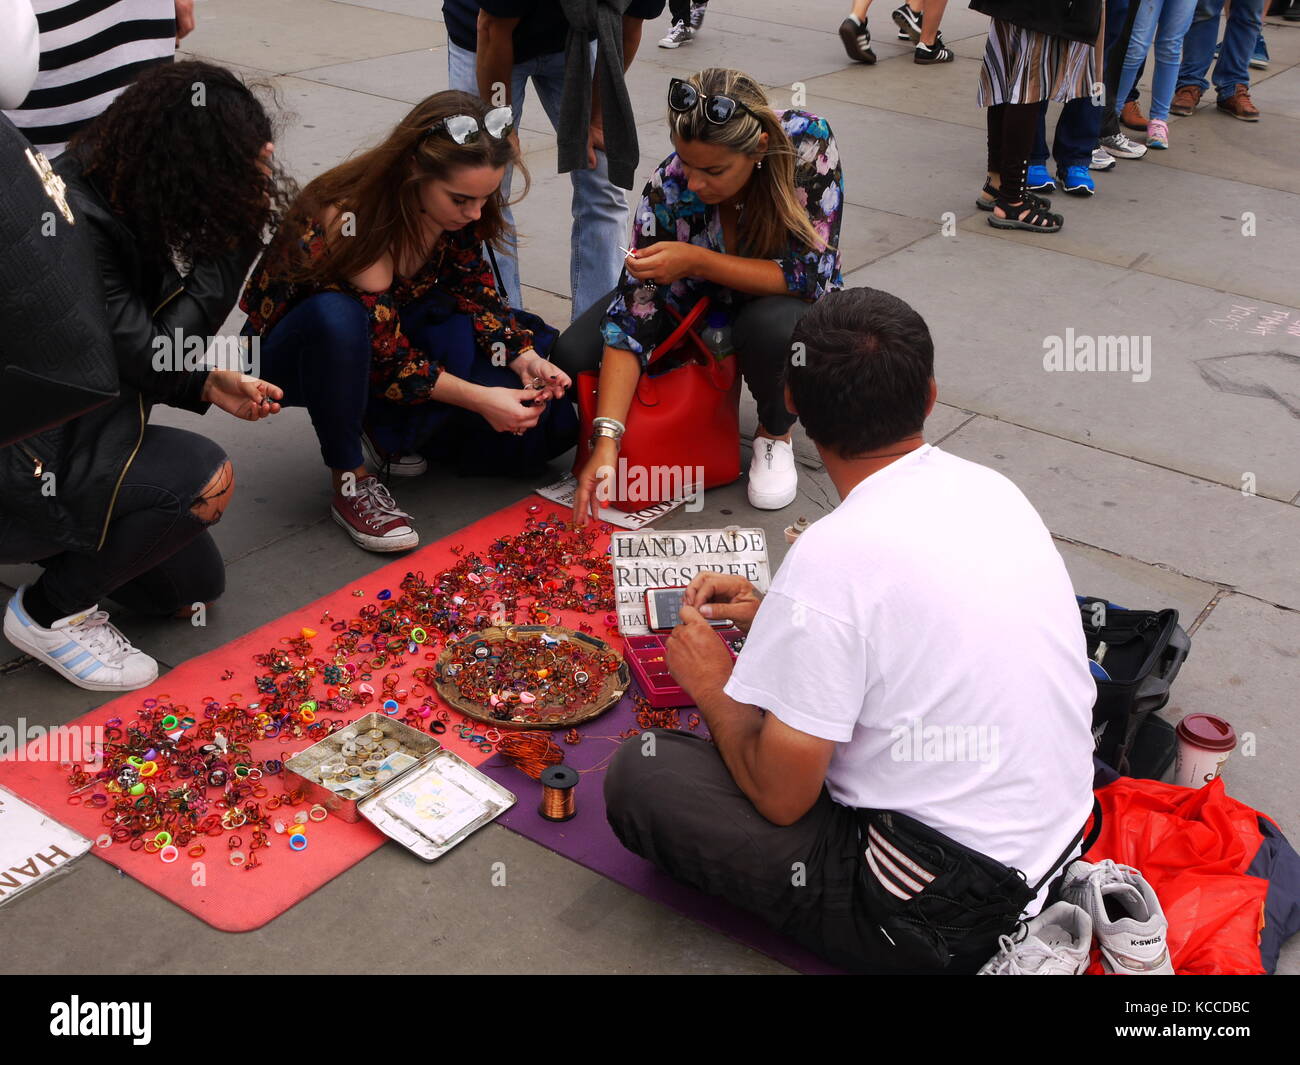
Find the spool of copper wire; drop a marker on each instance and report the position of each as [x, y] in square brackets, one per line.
[558, 782]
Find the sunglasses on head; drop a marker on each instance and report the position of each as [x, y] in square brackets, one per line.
[464, 128]
[683, 97]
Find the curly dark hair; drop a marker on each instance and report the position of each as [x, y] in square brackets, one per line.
[177, 155]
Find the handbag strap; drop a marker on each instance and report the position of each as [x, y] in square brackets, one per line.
[1069, 847]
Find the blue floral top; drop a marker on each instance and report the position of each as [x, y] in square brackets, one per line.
[636, 320]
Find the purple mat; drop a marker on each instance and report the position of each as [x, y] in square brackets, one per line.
[588, 840]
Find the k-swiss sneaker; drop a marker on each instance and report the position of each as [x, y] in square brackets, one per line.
[1126, 917]
[1055, 943]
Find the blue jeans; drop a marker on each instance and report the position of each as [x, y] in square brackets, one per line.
[1164, 22]
[599, 207]
[1233, 67]
[320, 351]
[1076, 134]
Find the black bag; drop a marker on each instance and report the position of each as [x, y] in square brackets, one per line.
[1144, 651]
[56, 351]
[941, 905]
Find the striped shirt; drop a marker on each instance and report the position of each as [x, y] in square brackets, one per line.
[90, 51]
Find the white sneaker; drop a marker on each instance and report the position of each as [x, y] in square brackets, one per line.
[680, 34]
[1102, 160]
[397, 465]
[1130, 925]
[1121, 147]
[1055, 943]
[773, 476]
[83, 647]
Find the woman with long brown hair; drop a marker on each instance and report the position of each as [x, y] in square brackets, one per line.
[745, 211]
[379, 313]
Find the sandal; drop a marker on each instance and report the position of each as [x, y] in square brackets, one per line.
[1030, 198]
[1025, 215]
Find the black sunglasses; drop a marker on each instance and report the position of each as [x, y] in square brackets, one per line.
[683, 97]
[464, 128]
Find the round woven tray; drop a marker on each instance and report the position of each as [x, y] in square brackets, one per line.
[611, 690]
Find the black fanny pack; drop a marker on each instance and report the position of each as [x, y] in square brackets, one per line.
[941, 905]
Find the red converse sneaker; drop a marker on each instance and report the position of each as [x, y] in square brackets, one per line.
[372, 518]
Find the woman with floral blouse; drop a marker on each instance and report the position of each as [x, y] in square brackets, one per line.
[747, 212]
[378, 312]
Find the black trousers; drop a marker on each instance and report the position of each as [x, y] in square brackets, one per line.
[681, 809]
[158, 556]
[760, 333]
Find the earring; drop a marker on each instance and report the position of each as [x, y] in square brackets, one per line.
[759, 165]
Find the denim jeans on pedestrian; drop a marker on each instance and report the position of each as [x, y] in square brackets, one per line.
[1076, 134]
[1164, 24]
[1118, 30]
[599, 207]
[1233, 67]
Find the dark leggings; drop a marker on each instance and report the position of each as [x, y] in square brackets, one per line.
[1011, 139]
[760, 333]
[158, 556]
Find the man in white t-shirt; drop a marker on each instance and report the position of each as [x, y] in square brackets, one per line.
[920, 651]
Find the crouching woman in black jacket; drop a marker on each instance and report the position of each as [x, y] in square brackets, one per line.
[177, 171]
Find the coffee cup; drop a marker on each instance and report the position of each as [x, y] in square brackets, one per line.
[1204, 743]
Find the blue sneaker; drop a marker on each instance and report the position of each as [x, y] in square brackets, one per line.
[1077, 181]
[1259, 59]
[1039, 180]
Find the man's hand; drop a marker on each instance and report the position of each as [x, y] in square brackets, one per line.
[665, 262]
[595, 143]
[722, 596]
[697, 658]
[245, 397]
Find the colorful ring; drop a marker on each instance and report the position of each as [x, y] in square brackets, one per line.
[169, 853]
[298, 843]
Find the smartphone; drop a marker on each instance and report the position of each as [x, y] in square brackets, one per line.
[663, 608]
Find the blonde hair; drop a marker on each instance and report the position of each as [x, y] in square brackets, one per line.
[775, 214]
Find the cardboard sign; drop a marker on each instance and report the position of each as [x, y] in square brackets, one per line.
[32, 846]
[670, 559]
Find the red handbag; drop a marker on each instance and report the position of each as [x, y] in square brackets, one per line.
[683, 428]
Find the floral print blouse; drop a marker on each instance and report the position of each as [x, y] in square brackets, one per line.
[637, 320]
[399, 371]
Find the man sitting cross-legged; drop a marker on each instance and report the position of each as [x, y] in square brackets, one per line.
[919, 655]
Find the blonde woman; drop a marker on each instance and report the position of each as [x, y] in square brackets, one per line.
[745, 211]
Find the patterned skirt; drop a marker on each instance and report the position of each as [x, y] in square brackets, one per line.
[1025, 66]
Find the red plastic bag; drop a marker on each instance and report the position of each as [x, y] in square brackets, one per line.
[1193, 845]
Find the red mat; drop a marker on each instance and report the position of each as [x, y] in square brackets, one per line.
[240, 900]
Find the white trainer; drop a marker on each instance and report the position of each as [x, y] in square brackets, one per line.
[1130, 925]
[773, 476]
[681, 33]
[1055, 943]
[397, 465]
[83, 647]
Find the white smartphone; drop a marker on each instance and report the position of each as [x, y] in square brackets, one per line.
[663, 608]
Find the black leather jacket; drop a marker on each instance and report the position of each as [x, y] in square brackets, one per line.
[1075, 20]
[90, 455]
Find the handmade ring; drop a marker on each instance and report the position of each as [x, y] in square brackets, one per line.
[169, 853]
[238, 858]
[298, 843]
[318, 813]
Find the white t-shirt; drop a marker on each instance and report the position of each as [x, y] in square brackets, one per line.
[928, 626]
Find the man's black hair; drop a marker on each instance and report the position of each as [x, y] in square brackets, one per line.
[860, 370]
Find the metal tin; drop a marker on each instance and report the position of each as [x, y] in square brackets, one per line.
[302, 769]
[476, 799]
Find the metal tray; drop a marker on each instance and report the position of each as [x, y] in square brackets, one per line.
[466, 800]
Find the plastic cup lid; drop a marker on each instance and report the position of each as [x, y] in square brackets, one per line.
[1207, 731]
